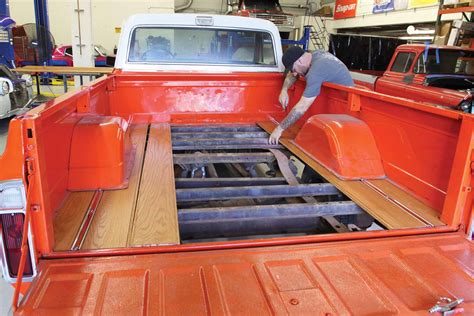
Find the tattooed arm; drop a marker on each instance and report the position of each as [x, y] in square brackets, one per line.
[300, 108]
[284, 98]
[289, 81]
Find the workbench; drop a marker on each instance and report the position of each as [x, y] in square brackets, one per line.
[64, 71]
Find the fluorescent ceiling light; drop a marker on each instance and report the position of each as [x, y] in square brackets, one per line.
[411, 30]
[408, 38]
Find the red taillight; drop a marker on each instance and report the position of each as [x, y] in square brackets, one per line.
[12, 232]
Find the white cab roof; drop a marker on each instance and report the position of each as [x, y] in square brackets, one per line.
[189, 20]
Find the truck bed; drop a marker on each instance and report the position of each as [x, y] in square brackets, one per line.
[161, 207]
[401, 275]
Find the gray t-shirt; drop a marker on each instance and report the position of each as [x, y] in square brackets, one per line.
[325, 67]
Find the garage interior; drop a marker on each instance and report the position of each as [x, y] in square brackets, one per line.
[222, 173]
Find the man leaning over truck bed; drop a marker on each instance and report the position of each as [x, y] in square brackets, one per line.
[317, 68]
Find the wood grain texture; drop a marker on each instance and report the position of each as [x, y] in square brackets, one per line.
[381, 208]
[110, 226]
[409, 201]
[156, 215]
[69, 218]
[65, 70]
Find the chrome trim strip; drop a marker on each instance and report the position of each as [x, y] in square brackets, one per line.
[87, 220]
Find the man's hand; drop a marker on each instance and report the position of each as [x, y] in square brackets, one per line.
[284, 98]
[275, 136]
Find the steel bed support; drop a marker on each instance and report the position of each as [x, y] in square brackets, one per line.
[205, 158]
[219, 141]
[238, 221]
[182, 183]
[256, 211]
[192, 146]
[212, 194]
[283, 164]
[177, 136]
[215, 128]
[215, 222]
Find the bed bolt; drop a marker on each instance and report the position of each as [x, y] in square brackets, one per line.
[294, 301]
[35, 207]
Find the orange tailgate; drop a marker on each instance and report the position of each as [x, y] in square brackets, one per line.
[382, 276]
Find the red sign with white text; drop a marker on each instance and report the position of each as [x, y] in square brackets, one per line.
[345, 9]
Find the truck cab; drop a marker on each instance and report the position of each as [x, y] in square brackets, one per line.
[155, 189]
[438, 75]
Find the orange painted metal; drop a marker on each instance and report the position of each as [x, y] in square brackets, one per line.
[461, 180]
[224, 97]
[456, 10]
[254, 243]
[100, 153]
[400, 127]
[404, 275]
[343, 144]
[11, 161]
[395, 83]
[354, 102]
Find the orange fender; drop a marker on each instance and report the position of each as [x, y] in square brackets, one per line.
[100, 151]
[343, 144]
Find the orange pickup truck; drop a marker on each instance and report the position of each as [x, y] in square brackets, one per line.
[154, 190]
[438, 75]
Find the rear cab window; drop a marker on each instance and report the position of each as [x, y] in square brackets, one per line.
[183, 45]
[446, 62]
[403, 62]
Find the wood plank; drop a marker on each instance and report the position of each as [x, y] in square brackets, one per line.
[384, 210]
[407, 200]
[156, 215]
[112, 220]
[66, 70]
[69, 218]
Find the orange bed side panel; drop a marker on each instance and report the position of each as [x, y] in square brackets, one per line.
[381, 276]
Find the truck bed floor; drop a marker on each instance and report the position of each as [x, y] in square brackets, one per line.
[146, 213]
[143, 213]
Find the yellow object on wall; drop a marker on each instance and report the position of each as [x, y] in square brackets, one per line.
[421, 3]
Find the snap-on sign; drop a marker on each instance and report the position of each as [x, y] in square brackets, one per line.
[345, 9]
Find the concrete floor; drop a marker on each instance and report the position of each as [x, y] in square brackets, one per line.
[6, 296]
[6, 290]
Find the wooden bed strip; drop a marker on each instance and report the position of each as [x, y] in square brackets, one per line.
[111, 223]
[156, 215]
[69, 218]
[384, 210]
[407, 200]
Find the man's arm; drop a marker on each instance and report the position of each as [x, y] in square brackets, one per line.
[289, 81]
[300, 108]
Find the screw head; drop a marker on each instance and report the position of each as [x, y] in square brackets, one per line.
[294, 301]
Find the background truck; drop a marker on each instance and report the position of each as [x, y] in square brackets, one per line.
[154, 190]
[16, 94]
[268, 10]
[439, 75]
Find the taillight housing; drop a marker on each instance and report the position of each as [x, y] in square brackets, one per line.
[12, 219]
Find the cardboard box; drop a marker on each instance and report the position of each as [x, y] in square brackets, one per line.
[442, 37]
[324, 11]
